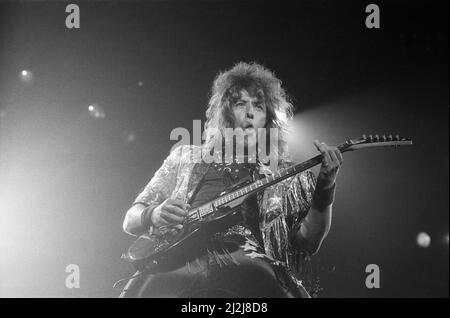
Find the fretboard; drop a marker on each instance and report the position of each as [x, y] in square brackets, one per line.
[267, 181]
[257, 186]
[349, 145]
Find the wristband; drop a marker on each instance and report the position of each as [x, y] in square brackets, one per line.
[323, 198]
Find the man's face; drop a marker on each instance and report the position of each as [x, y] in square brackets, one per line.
[249, 112]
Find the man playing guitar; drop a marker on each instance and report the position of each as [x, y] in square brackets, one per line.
[261, 255]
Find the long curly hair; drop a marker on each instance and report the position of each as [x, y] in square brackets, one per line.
[245, 76]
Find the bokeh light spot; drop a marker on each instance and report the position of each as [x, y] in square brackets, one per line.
[423, 240]
[96, 111]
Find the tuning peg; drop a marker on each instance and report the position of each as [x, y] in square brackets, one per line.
[397, 137]
[376, 137]
[364, 137]
[383, 138]
[390, 138]
[370, 138]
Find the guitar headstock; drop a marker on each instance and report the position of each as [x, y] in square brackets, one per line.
[371, 141]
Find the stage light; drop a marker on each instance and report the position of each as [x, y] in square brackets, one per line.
[96, 111]
[446, 239]
[140, 83]
[423, 240]
[26, 76]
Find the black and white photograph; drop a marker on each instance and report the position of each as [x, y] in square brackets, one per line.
[223, 150]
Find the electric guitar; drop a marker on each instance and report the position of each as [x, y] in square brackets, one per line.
[171, 248]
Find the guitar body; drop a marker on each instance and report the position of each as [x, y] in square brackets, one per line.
[171, 250]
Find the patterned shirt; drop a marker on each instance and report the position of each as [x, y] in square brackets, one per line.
[281, 209]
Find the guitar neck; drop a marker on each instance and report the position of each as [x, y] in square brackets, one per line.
[268, 181]
[350, 145]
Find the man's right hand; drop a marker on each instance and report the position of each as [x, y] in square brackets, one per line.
[170, 212]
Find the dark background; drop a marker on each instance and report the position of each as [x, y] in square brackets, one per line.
[67, 179]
